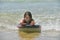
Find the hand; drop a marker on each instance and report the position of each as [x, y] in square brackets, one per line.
[32, 23]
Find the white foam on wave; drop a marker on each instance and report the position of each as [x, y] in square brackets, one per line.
[8, 27]
[49, 24]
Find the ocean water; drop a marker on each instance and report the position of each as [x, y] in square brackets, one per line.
[47, 14]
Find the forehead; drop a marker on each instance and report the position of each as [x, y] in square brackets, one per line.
[27, 16]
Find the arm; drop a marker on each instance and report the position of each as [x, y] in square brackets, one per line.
[32, 22]
[22, 22]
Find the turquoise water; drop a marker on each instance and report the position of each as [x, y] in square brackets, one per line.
[40, 8]
[29, 1]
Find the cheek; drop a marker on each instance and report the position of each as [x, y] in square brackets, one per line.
[27, 18]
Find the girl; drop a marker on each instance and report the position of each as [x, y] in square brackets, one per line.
[28, 20]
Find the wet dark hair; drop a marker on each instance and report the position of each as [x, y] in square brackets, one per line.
[28, 13]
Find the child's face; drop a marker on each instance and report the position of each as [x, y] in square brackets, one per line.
[27, 18]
